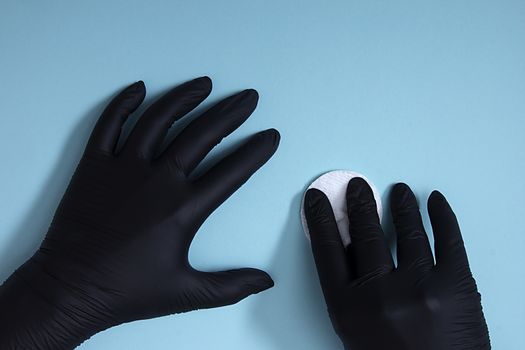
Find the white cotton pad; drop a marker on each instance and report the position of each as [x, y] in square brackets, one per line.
[334, 184]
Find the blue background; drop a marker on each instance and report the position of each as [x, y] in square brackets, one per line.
[427, 92]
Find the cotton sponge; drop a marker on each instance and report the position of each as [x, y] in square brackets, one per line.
[334, 184]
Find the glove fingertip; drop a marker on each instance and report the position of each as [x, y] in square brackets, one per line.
[139, 85]
[203, 82]
[437, 196]
[360, 199]
[402, 198]
[251, 94]
[258, 280]
[314, 200]
[437, 203]
[272, 135]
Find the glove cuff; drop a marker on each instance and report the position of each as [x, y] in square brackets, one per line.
[38, 311]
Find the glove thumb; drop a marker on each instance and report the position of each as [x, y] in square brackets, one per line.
[229, 287]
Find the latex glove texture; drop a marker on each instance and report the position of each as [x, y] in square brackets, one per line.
[117, 248]
[373, 305]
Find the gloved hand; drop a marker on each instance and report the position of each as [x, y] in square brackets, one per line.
[417, 305]
[117, 248]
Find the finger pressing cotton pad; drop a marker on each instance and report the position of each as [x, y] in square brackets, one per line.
[333, 184]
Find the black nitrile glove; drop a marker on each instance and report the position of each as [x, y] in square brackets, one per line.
[417, 306]
[117, 249]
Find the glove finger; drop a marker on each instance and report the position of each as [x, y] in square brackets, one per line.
[201, 135]
[447, 235]
[368, 249]
[223, 179]
[107, 130]
[413, 248]
[327, 247]
[229, 287]
[151, 129]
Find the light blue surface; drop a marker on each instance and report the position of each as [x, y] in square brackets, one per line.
[428, 92]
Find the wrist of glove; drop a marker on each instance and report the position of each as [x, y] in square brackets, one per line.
[42, 310]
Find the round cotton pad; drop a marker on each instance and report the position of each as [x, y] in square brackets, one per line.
[334, 184]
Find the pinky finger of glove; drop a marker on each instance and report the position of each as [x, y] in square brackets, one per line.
[447, 235]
